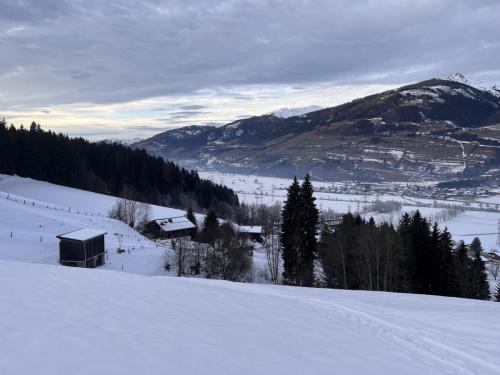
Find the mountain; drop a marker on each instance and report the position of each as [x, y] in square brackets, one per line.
[290, 112]
[437, 129]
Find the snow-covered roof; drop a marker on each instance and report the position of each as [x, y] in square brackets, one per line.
[175, 223]
[254, 229]
[82, 234]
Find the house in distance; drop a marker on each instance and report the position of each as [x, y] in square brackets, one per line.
[171, 227]
[250, 232]
[82, 248]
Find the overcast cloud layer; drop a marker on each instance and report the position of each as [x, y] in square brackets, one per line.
[104, 67]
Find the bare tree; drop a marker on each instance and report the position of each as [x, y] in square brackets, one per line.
[183, 254]
[272, 244]
[135, 214]
[494, 268]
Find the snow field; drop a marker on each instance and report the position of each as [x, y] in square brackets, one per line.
[28, 230]
[157, 325]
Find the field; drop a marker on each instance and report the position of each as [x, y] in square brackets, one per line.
[119, 323]
[473, 221]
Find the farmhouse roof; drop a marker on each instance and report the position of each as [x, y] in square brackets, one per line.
[171, 224]
[83, 234]
[253, 229]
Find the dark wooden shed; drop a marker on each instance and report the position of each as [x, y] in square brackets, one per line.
[82, 248]
[171, 227]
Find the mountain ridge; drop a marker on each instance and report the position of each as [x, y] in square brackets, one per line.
[438, 128]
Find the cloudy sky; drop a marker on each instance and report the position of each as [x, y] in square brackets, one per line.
[128, 68]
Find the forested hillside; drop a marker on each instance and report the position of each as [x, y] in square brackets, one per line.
[107, 168]
[438, 129]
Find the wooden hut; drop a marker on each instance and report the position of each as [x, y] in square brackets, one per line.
[250, 232]
[171, 227]
[82, 248]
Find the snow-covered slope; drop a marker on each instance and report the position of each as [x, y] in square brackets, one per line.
[66, 197]
[33, 213]
[290, 112]
[58, 320]
[492, 88]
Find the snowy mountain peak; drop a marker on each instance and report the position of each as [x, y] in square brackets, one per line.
[290, 112]
[490, 87]
[458, 77]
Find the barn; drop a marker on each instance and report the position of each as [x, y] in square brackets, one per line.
[82, 248]
[251, 232]
[171, 227]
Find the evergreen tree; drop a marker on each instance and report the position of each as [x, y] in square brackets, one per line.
[308, 219]
[463, 266]
[475, 246]
[190, 216]
[210, 230]
[480, 285]
[444, 282]
[290, 233]
[496, 297]
[407, 255]
[421, 247]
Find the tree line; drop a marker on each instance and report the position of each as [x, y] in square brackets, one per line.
[108, 168]
[355, 253]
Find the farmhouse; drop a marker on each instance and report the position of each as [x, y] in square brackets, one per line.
[251, 232]
[171, 227]
[82, 248]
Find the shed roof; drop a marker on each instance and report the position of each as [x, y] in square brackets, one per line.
[82, 234]
[175, 223]
[253, 229]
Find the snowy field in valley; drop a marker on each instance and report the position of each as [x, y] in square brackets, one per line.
[466, 226]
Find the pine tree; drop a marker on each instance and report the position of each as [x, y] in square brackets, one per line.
[210, 228]
[476, 246]
[420, 242]
[463, 266]
[480, 285]
[290, 233]
[308, 219]
[444, 281]
[407, 255]
[190, 216]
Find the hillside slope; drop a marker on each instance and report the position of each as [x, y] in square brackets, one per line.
[54, 319]
[436, 129]
[33, 213]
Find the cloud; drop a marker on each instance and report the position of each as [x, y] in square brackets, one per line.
[146, 128]
[184, 114]
[62, 52]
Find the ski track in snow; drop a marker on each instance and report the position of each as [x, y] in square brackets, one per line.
[425, 344]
